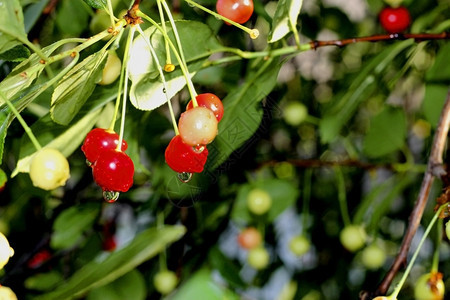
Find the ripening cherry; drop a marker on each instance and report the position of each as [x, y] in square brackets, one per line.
[184, 158]
[99, 140]
[395, 19]
[209, 101]
[113, 171]
[249, 238]
[429, 286]
[197, 126]
[5, 251]
[112, 68]
[238, 11]
[49, 169]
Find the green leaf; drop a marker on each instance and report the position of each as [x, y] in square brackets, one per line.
[11, 25]
[96, 3]
[228, 269]
[70, 225]
[72, 17]
[16, 54]
[360, 89]
[98, 273]
[440, 71]
[147, 91]
[386, 134]
[51, 135]
[3, 129]
[44, 281]
[282, 193]
[433, 102]
[75, 88]
[32, 13]
[284, 19]
[243, 113]
[201, 286]
[3, 179]
[130, 286]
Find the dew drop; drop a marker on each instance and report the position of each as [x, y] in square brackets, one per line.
[198, 148]
[110, 196]
[88, 163]
[184, 177]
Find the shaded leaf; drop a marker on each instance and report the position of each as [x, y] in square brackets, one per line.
[386, 134]
[3, 179]
[130, 286]
[228, 269]
[71, 18]
[70, 225]
[11, 24]
[433, 102]
[43, 281]
[16, 54]
[75, 88]
[96, 3]
[147, 91]
[98, 273]
[285, 16]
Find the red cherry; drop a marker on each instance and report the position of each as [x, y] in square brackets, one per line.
[209, 101]
[39, 259]
[250, 238]
[113, 171]
[238, 11]
[183, 158]
[395, 20]
[99, 140]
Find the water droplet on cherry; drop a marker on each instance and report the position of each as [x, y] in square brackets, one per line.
[199, 148]
[110, 196]
[184, 177]
[88, 163]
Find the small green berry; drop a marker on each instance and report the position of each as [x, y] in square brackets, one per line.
[258, 258]
[165, 281]
[353, 237]
[258, 201]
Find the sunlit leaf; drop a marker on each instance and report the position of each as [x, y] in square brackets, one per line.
[285, 17]
[75, 88]
[11, 24]
[98, 273]
[147, 91]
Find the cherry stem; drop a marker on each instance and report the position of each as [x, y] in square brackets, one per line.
[161, 73]
[183, 67]
[125, 87]
[163, 25]
[306, 199]
[342, 196]
[110, 12]
[416, 253]
[296, 35]
[27, 129]
[254, 33]
[437, 244]
[162, 255]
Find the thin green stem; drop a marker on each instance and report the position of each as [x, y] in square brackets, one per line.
[295, 32]
[416, 253]
[125, 87]
[254, 33]
[183, 68]
[163, 25]
[27, 129]
[306, 198]
[163, 79]
[162, 255]
[110, 11]
[437, 244]
[342, 196]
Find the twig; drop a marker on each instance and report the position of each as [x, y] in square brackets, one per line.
[434, 169]
[382, 37]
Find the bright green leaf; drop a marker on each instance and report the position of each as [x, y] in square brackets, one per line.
[284, 19]
[130, 286]
[201, 286]
[75, 88]
[43, 281]
[70, 225]
[11, 24]
[147, 91]
[96, 3]
[386, 134]
[282, 193]
[98, 273]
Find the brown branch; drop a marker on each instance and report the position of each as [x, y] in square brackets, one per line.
[434, 169]
[382, 37]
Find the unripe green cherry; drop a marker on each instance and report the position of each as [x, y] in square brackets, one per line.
[295, 113]
[258, 258]
[5, 251]
[373, 257]
[112, 68]
[353, 237]
[100, 21]
[299, 245]
[165, 281]
[49, 169]
[258, 201]
[429, 287]
[447, 229]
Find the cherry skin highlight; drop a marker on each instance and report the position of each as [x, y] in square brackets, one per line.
[99, 140]
[238, 11]
[113, 171]
[183, 158]
[395, 20]
[197, 126]
[210, 101]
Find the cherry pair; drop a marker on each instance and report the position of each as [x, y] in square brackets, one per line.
[112, 169]
[187, 152]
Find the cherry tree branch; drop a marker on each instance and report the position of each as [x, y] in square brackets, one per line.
[419, 37]
[434, 169]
